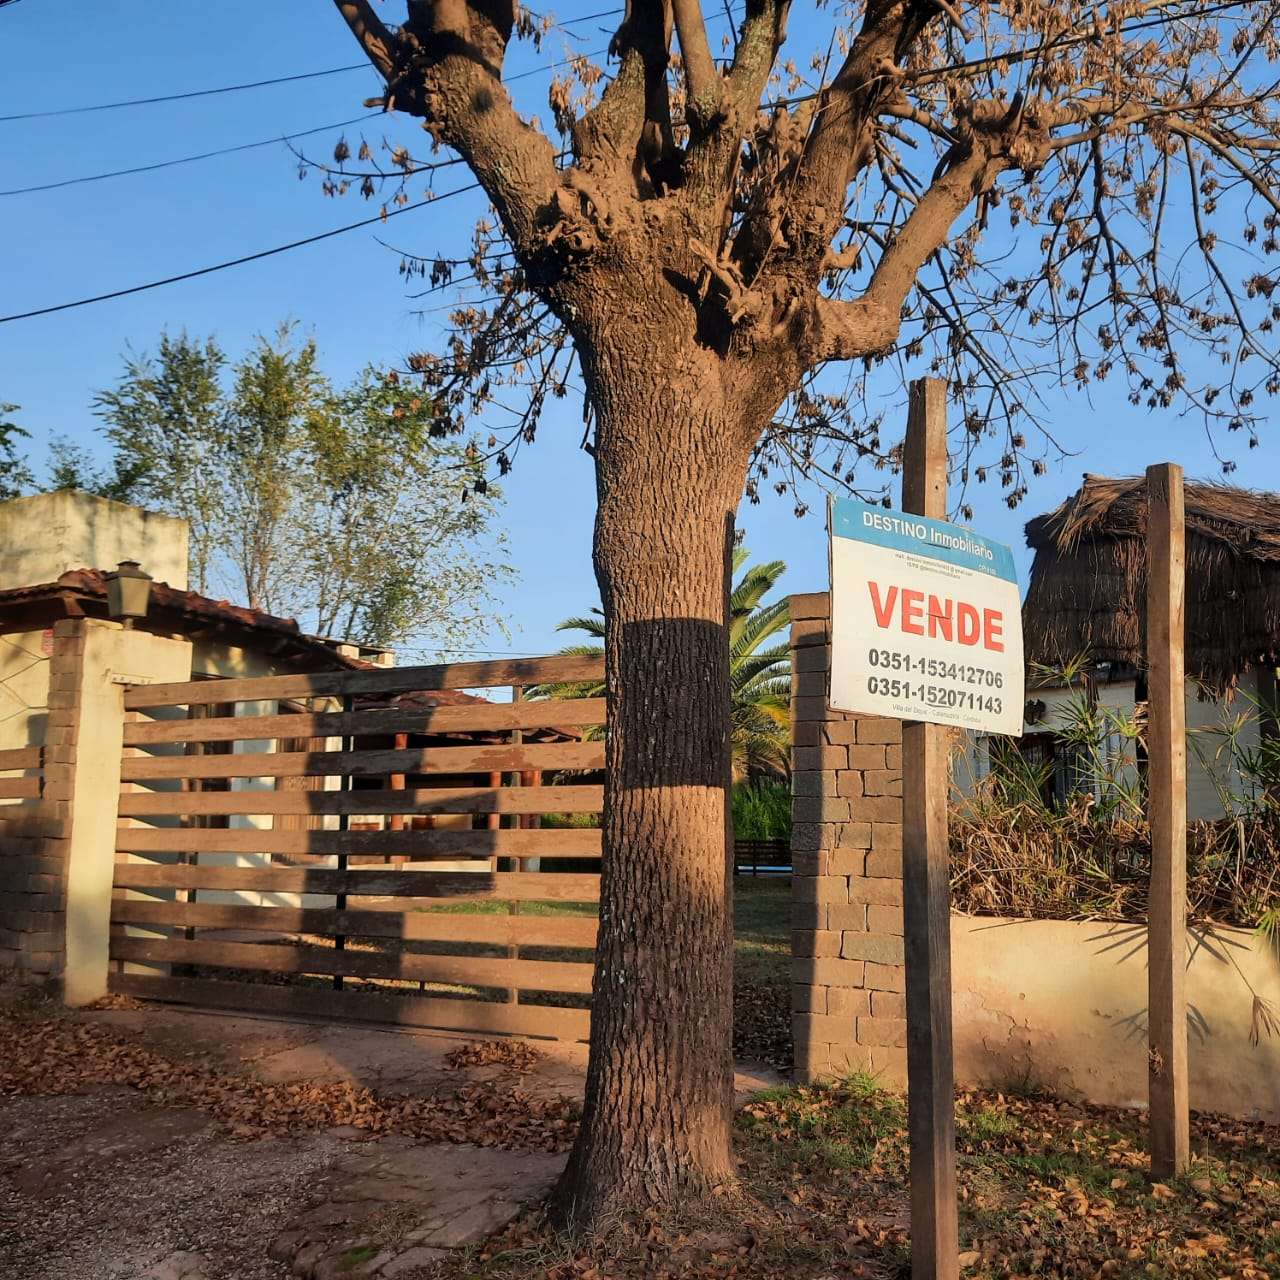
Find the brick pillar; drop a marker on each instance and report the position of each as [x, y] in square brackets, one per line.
[33, 837]
[57, 858]
[848, 980]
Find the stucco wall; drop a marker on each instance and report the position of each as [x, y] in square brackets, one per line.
[24, 687]
[1063, 1005]
[45, 535]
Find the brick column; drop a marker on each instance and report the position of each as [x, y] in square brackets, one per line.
[33, 837]
[57, 860]
[848, 1007]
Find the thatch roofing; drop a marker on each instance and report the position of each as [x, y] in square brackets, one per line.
[1089, 579]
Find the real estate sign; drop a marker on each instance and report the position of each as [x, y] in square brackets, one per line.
[926, 621]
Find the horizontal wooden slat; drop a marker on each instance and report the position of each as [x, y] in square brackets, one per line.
[508, 886]
[412, 926]
[418, 801]
[453, 675]
[29, 757]
[557, 713]
[497, 758]
[472, 971]
[362, 1006]
[577, 842]
[20, 788]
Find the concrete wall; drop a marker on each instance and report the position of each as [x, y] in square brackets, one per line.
[1063, 1005]
[45, 535]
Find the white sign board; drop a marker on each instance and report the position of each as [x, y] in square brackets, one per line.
[926, 621]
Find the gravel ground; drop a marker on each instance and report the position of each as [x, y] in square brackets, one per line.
[105, 1187]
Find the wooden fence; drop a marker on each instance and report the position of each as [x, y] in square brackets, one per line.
[27, 763]
[339, 844]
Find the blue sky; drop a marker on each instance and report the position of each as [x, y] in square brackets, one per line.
[92, 238]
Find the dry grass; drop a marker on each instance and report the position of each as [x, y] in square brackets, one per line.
[1026, 861]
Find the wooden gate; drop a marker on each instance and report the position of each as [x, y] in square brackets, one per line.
[366, 844]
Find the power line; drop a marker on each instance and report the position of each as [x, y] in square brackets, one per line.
[249, 146]
[238, 262]
[251, 84]
[180, 97]
[203, 155]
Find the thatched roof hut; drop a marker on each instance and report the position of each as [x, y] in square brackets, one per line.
[1089, 579]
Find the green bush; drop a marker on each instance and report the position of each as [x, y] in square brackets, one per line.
[762, 810]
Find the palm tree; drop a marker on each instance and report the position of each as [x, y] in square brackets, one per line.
[759, 672]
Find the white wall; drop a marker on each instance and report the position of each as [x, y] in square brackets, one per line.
[45, 535]
[1062, 1005]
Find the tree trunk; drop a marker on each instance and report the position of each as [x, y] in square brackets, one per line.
[659, 1094]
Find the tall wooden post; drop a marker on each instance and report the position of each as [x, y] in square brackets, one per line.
[1167, 787]
[926, 893]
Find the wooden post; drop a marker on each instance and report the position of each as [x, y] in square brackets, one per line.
[926, 896]
[517, 864]
[1167, 798]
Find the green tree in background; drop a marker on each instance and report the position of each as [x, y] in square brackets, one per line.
[167, 425]
[15, 474]
[759, 671]
[388, 543]
[334, 506]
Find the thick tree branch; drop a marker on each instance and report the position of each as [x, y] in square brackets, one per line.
[632, 120]
[847, 330]
[371, 34]
[445, 66]
[764, 28]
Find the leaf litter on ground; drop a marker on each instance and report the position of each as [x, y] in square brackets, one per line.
[1048, 1188]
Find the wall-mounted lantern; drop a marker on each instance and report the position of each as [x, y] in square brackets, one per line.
[128, 592]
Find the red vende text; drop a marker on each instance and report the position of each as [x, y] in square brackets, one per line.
[938, 617]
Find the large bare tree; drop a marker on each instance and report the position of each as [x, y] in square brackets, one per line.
[999, 190]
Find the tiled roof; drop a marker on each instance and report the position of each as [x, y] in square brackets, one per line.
[181, 611]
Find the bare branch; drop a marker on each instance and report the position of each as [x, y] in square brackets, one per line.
[632, 120]
[871, 323]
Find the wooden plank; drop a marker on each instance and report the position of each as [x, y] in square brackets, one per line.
[926, 894]
[1167, 789]
[576, 842]
[471, 971]
[292, 764]
[361, 1006]
[383, 680]
[20, 788]
[412, 926]
[425, 800]
[532, 886]
[549, 713]
[30, 757]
